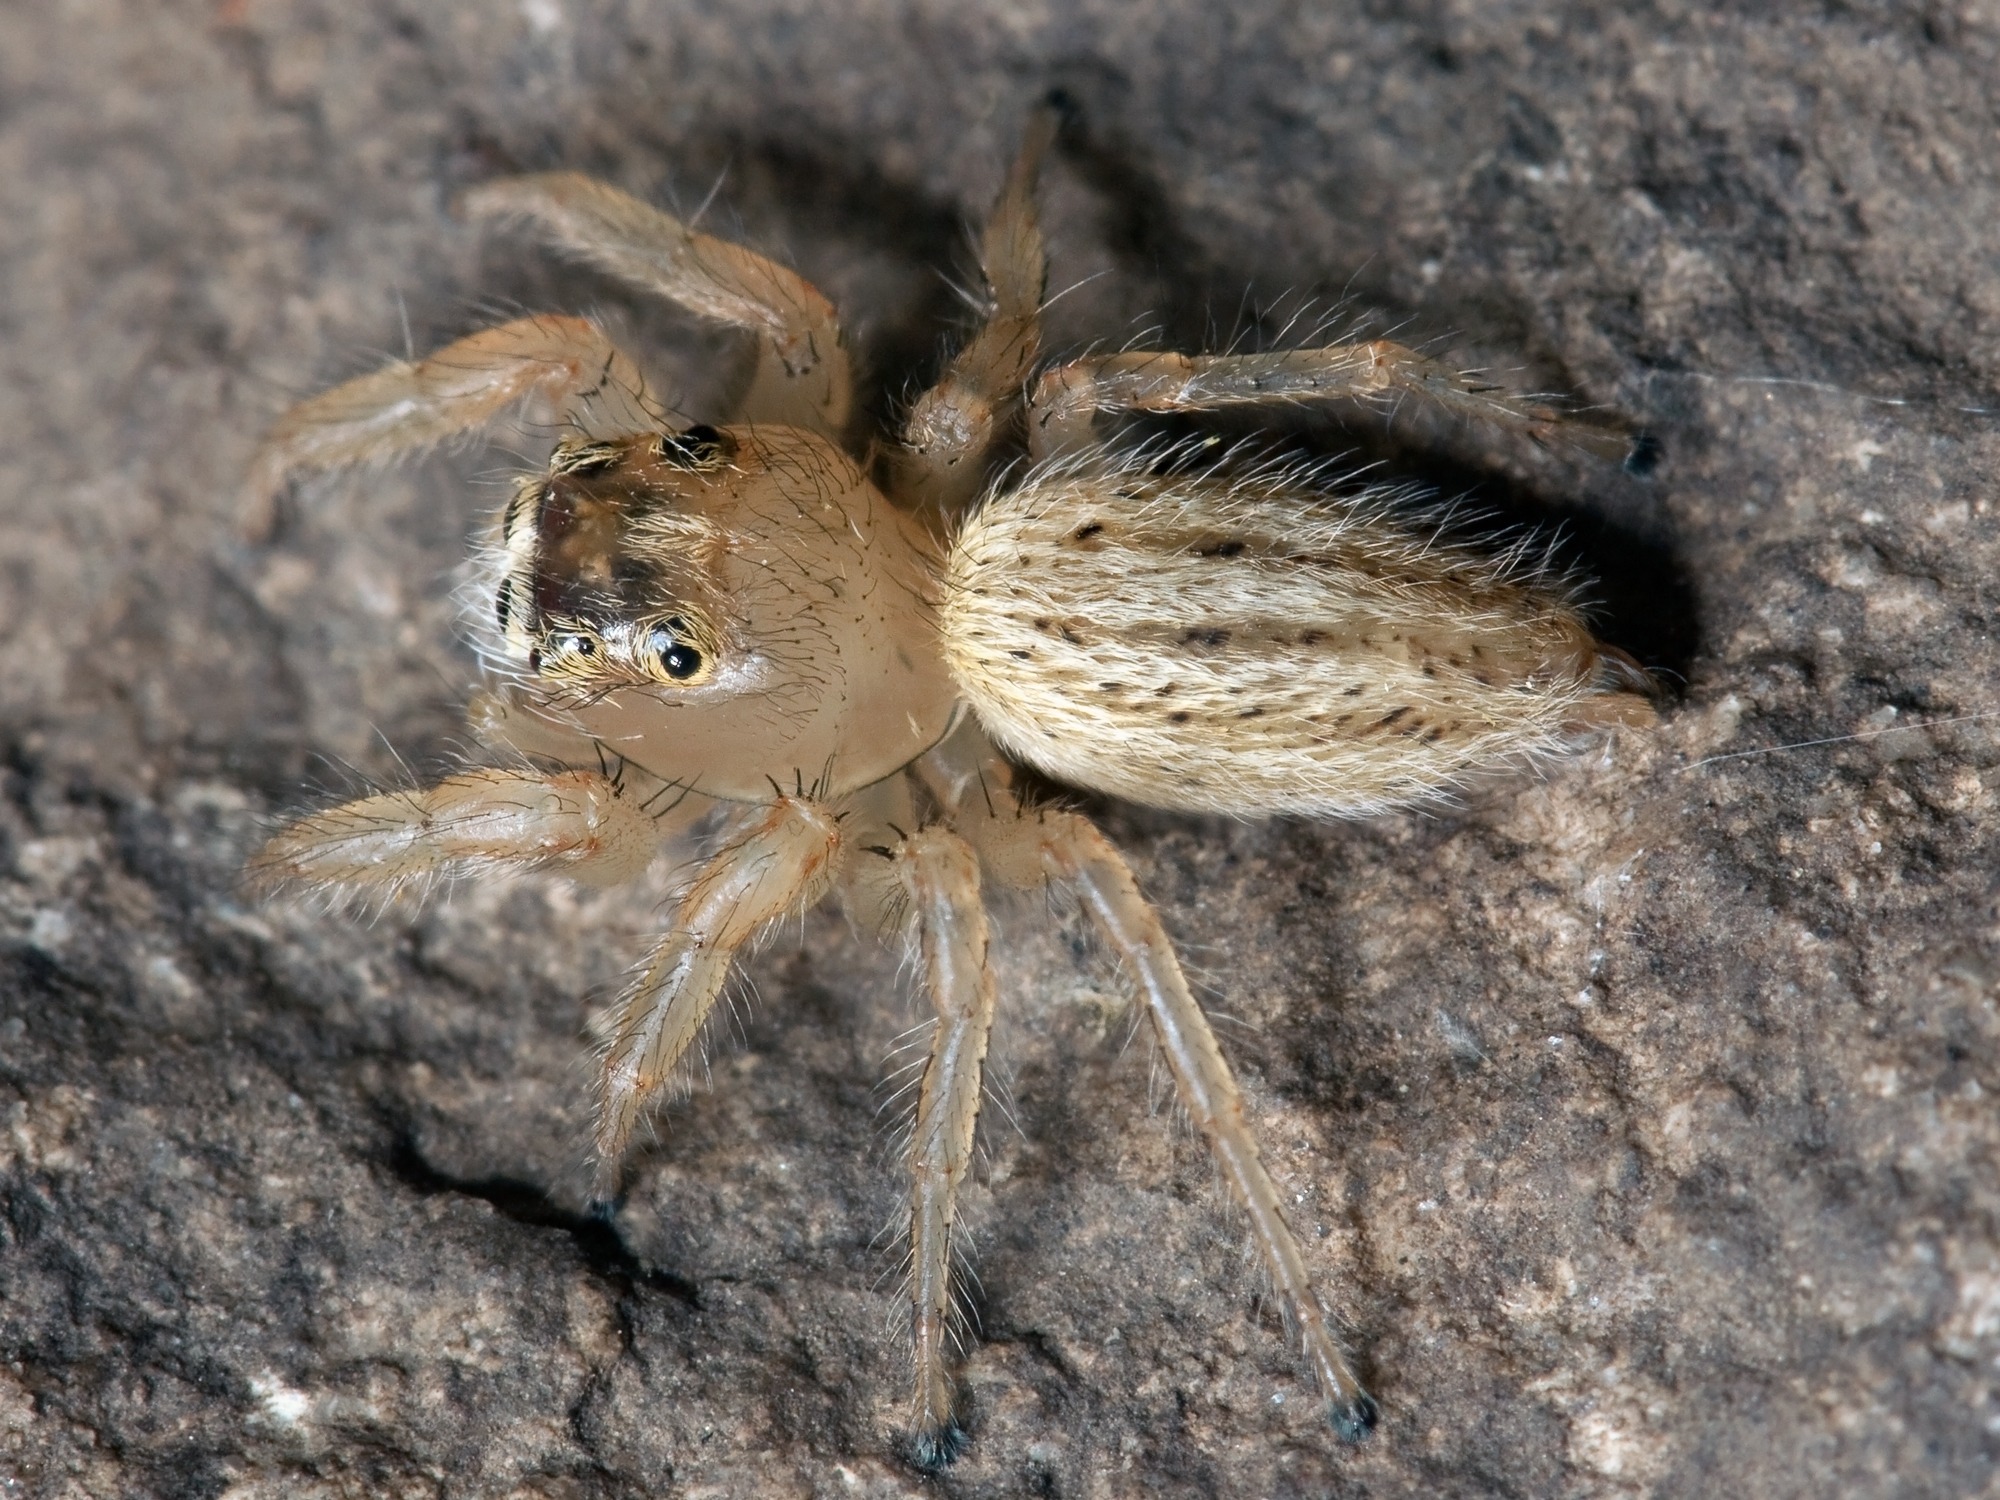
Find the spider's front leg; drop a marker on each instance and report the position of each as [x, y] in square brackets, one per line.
[404, 408]
[1024, 848]
[1067, 399]
[578, 823]
[803, 376]
[777, 860]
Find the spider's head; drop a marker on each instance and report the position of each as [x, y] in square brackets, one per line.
[608, 574]
[739, 602]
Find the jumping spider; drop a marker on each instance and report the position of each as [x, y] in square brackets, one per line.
[835, 650]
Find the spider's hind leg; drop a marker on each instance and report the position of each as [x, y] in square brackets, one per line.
[1027, 848]
[940, 464]
[1071, 849]
[1067, 399]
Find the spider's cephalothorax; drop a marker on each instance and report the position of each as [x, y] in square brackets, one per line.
[822, 660]
[650, 589]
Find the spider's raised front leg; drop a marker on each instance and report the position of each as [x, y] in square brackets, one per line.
[405, 408]
[1026, 848]
[1068, 398]
[578, 823]
[777, 860]
[803, 378]
[940, 465]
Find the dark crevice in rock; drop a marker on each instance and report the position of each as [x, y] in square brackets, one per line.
[1040, 1345]
[596, 1240]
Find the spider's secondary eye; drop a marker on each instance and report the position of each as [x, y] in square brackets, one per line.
[566, 653]
[584, 458]
[698, 448]
[676, 659]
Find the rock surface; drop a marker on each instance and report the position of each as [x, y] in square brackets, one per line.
[1640, 1117]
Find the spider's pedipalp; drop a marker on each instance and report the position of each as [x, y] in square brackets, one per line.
[479, 822]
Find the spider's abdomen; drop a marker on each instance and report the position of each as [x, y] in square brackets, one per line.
[1254, 647]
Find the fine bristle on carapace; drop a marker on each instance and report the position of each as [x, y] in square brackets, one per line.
[1254, 647]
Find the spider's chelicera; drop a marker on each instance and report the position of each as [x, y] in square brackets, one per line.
[837, 662]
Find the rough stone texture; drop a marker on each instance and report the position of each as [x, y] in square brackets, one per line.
[1640, 1117]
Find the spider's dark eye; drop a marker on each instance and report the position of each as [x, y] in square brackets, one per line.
[678, 660]
[697, 448]
[568, 652]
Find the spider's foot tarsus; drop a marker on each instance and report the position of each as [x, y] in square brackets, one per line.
[1643, 456]
[1354, 1420]
[936, 1449]
[1064, 105]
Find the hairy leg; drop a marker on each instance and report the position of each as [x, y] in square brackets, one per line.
[780, 859]
[924, 888]
[403, 408]
[939, 874]
[803, 378]
[1072, 850]
[872, 825]
[945, 441]
[1068, 398]
[577, 823]
[1027, 848]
